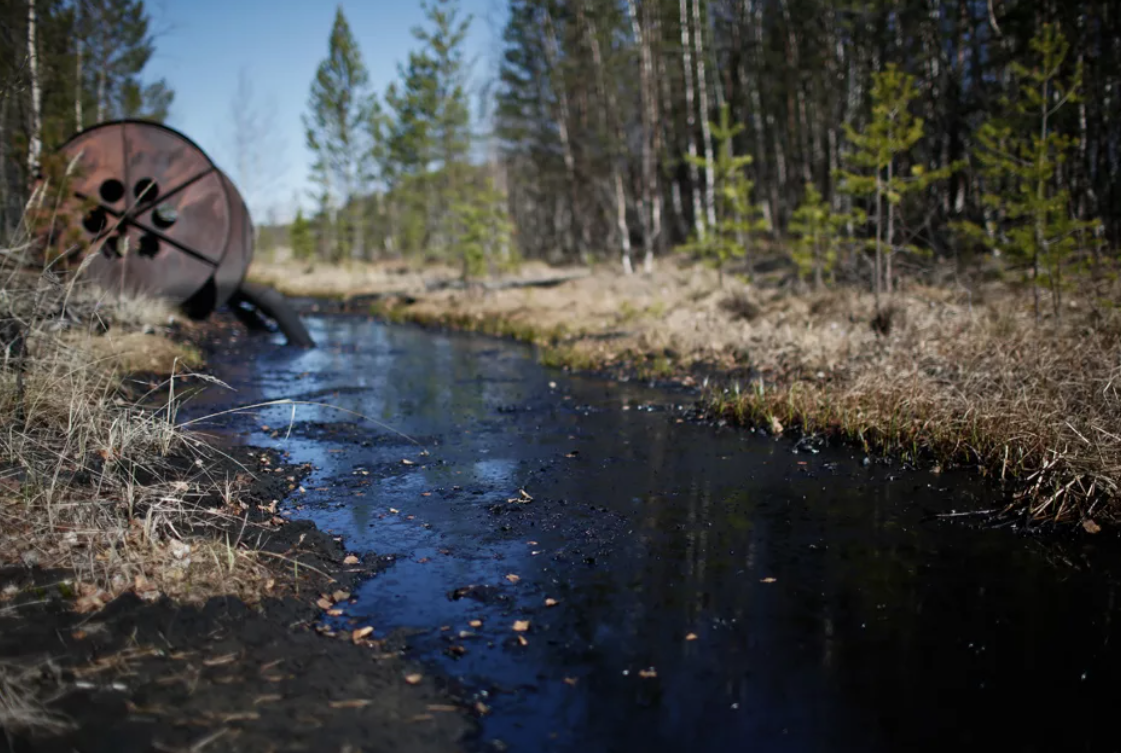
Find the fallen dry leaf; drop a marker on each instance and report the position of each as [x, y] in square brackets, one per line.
[353, 703]
[482, 708]
[522, 641]
[324, 604]
[1090, 526]
[769, 580]
[350, 560]
[512, 578]
[570, 680]
[691, 637]
[551, 602]
[406, 461]
[91, 603]
[476, 623]
[520, 626]
[340, 595]
[414, 679]
[646, 674]
[776, 426]
[361, 633]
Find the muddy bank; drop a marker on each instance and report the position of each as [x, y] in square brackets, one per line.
[147, 673]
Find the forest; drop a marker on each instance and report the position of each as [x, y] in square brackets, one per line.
[859, 139]
[862, 139]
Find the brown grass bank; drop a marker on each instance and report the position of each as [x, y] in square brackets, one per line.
[98, 482]
[964, 377]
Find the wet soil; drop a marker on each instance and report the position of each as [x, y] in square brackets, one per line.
[140, 675]
[592, 569]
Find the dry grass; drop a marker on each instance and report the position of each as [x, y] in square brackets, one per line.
[92, 482]
[963, 377]
[20, 707]
[296, 278]
[1034, 405]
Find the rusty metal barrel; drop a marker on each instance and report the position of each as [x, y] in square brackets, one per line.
[157, 216]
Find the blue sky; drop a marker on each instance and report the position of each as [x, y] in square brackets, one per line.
[202, 45]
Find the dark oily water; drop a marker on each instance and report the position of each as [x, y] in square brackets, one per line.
[714, 589]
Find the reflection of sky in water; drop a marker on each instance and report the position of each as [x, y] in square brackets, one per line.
[866, 639]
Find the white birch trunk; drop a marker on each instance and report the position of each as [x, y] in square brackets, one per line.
[706, 130]
[691, 121]
[35, 142]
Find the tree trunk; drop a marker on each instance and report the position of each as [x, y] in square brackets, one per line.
[653, 32]
[79, 123]
[101, 94]
[691, 122]
[561, 118]
[645, 90]
[609, 111]
[706, 130]
[35, 138]
[358, 220]
[6, 219]
[817, 259]
[878, 272]
[754, 15]
[889, 250]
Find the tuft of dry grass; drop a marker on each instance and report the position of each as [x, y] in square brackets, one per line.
[93, 482]
[21, 709]
[982, 386]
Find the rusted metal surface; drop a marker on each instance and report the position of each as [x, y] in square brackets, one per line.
[156, 215]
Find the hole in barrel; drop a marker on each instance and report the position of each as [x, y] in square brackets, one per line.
[149, 245]
[112, 190]
[95, 221]
[111, 248]
[164, 216]
[146, 189]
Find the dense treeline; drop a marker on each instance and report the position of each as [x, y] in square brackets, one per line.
[66, 65]
[626, 128]
[603, 101]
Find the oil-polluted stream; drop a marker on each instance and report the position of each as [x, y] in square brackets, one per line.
[599, 572]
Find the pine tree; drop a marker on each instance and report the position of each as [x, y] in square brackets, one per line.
[116, 46]
[429, 139]
[736, 217]
[299, 235]
[1020, 154]
[891, 133]
[484, 229]
[816, 234]
[339, 109]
